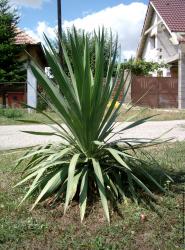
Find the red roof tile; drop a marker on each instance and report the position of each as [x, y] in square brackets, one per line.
[23, 38]
[172, 12]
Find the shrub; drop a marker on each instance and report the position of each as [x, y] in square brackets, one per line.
[143, 68]
[1, 111]
[90, 158]
[11, 113]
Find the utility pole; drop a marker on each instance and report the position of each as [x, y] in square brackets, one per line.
[59, 8]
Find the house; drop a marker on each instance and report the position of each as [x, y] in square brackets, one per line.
[13, 93]
[163, 40]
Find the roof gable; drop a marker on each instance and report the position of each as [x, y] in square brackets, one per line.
[146, 25]
[172, 12]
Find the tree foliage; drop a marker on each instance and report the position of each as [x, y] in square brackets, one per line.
[109, 39]
[142, 67]
[11, 70]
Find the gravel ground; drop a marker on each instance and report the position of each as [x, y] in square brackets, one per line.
[11, 137]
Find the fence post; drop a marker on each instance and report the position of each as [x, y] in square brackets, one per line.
[181, 77]
[128, 83]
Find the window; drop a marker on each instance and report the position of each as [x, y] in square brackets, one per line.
[48, 72]
[15, 98]
[153, 42]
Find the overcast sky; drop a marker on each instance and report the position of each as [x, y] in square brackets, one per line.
[124, 17]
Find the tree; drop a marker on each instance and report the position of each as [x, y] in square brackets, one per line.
[11, 69]
[141, 67]
[109, 41]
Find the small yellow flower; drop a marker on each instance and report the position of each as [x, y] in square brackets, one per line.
[115, 106]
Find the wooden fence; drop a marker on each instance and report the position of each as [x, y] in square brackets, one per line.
[12, 94]
[155, 92]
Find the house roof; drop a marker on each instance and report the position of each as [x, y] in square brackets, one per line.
[172, 12]
[23, 38]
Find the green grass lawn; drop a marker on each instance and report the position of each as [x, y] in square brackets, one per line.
[161, 115]
[12, 117]
[47, 228]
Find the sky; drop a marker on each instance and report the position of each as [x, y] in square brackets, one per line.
[124, 17]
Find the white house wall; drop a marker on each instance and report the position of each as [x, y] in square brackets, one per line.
[168, 49]
[164, 50]
[150, 54]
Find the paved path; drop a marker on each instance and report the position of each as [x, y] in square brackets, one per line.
[11, 137]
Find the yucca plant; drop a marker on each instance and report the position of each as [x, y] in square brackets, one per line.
[90, 158]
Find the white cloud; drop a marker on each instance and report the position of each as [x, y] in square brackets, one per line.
[42, 28]
[28, 3]
[86, 13]
[125, 20]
